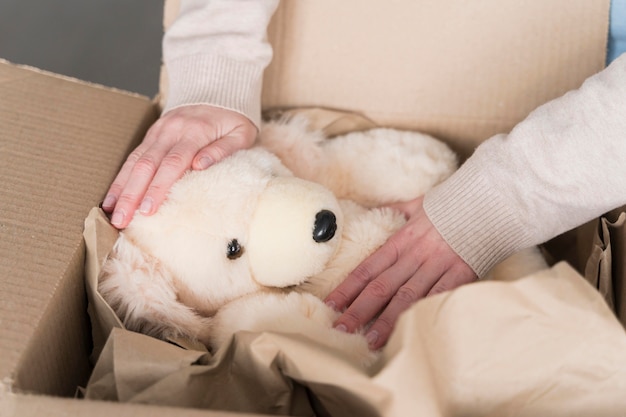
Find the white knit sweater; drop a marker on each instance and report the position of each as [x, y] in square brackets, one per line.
[215, 53]
[562, 166]
[559, 168]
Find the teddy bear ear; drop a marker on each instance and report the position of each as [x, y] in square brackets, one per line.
[142, 293]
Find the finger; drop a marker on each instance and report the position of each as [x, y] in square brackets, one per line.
[430, 280]
[141, 174]
[118, 184]
[460, 274]
[172, 167]
[223, 147]
[415, 288]
[377, 295]
[346, 292]
[407, 295]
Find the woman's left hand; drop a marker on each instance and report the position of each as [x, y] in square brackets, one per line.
[414, 262]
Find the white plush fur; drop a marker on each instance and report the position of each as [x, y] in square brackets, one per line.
[375, 167]
[169, 275]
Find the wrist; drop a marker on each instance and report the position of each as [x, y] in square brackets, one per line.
[474, 219]
[215, 81]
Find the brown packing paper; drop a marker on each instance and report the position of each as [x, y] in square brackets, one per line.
[330, 122]
[603, 243]
[99, 238]
[139, 369]
[543, 345]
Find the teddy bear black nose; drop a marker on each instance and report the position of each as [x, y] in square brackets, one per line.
[325, 226]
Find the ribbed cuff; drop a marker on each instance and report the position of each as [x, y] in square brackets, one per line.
[475, 219]
[217, 81]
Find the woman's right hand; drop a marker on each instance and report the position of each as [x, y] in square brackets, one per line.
[189, 137]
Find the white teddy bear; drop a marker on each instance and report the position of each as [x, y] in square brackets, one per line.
[257, 241]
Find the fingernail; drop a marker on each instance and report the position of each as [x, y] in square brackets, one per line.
[109, 202]
[146, 206]
[342, 328]
[205, 162]
[372, 337]
[332, 305]
[118, 218]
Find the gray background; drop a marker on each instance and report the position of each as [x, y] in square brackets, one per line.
[116, 43]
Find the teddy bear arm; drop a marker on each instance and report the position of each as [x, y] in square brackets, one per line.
[304, 153]
[297, 147]
[289, 313]
[382, 166]
[372, 167]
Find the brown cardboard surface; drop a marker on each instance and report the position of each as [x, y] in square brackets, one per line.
[459, 70]
[61, 143]
[43, 406]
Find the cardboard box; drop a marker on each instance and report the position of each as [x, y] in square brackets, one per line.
[61, 143]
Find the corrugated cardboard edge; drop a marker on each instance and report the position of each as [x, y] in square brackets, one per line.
[20, 405]
[72, 79]
[62, 143]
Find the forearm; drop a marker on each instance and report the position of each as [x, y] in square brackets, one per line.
[560, 167]
[215, 53]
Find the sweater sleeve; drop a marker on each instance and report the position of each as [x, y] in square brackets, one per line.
[564, 165]
[215, 53]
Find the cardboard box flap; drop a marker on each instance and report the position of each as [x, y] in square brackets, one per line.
[462, 71]
[61, 144]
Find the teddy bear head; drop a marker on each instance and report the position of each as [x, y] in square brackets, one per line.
[242, 225]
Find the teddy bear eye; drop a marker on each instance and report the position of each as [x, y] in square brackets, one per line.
[234, 249]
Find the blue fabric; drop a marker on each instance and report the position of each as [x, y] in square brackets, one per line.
[617, 30]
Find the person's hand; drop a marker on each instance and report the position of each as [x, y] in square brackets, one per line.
[414, 262]
[189, 137]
